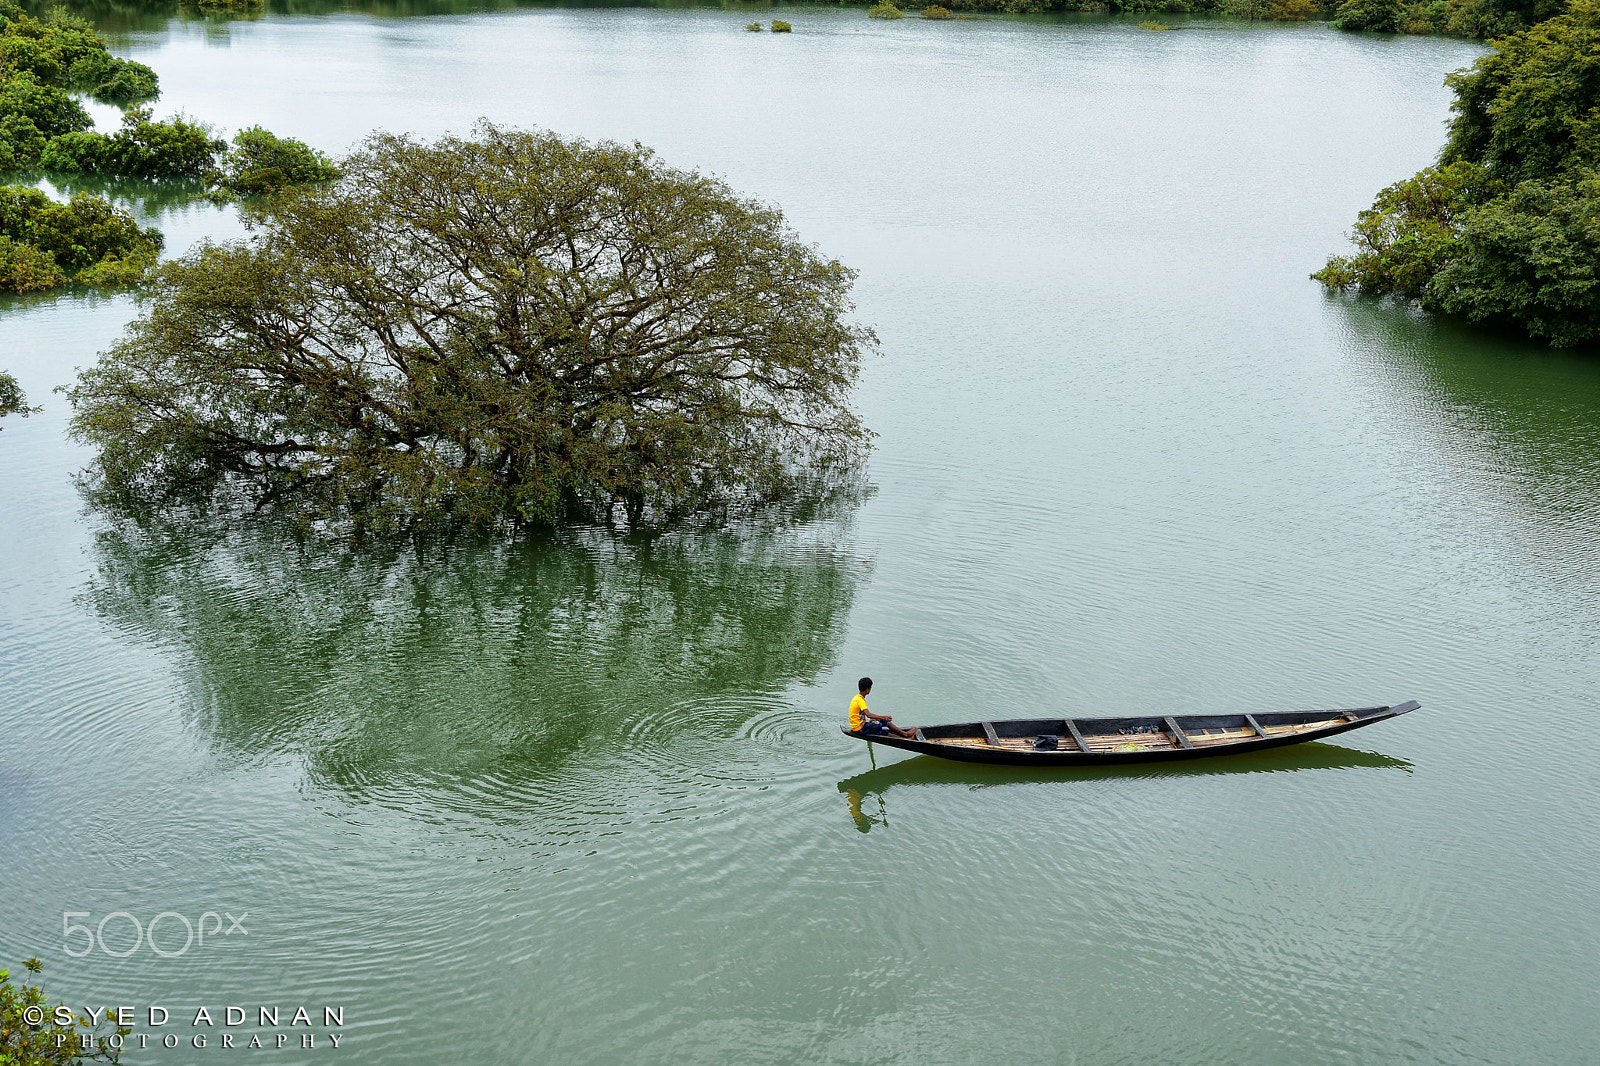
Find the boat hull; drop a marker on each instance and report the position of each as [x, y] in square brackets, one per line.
[1107, 741]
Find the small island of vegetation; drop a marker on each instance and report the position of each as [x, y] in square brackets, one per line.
[43, 127]
[500, 330]
[1503, 228]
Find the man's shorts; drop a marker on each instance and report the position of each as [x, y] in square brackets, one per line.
[874, 728]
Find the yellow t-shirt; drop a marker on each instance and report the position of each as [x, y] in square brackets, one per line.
[857, 705]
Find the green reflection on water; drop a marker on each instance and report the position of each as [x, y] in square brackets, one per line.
[460, 662]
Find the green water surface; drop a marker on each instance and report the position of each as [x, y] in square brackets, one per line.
[576, 800]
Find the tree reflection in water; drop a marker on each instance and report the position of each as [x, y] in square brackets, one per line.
[481, 666]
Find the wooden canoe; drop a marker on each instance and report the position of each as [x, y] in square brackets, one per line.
[1084, 741]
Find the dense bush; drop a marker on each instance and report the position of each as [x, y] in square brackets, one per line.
[142, 148]
[51, 110]
[935, 11]
[1292, 10]
[1532, 258]
[780, 26]
[44, 243]
[1507, 227]
[260, 163]
[1384, 15]
[884, 10]
[64, 52]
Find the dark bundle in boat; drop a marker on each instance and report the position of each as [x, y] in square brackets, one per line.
[1080, 741]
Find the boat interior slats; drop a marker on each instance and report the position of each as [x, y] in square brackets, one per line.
[1176, 736]
[1077, 735]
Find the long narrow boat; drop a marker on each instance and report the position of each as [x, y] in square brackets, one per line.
[1084, 741]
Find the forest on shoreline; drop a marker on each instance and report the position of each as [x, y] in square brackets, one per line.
[1457, 18]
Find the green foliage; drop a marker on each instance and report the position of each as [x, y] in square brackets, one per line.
[1507, 227]
[779, 26]
[25, 1042]
[754, 27]
[26, 268]
[1385, 16]
[497, 330]
[1530, 258]
[1531, 108]
[61, 53]
[51, 110]
[1410, 231]
[21, 142]
[884, 11]
[934, 11]
[142, 148]
[1153, 26]
[44, 244]
[122, 81]
[12, 402]
[260, 163]
[1292, 10]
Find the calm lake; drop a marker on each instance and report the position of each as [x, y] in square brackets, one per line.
[576, 800]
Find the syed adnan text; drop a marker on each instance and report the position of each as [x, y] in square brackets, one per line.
[207, 1024]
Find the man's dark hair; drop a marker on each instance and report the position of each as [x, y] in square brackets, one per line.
[863, 685]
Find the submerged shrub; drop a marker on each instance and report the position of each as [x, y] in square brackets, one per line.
[754, 27]
[87, 239]
[884, 11]
[126, 82]
[261, 163]
[142, 148]
[779, 26]
[934, 11]
[1153, 26]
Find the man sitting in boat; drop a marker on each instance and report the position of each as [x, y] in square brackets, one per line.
[864, 721]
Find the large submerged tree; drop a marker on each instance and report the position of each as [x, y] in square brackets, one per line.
[506, 328]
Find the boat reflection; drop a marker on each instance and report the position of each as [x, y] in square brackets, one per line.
[864, 792]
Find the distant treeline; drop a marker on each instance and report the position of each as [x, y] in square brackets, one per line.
[1460, 18]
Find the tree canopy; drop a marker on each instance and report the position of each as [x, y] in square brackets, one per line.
[1504, 228]
[510, 327]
